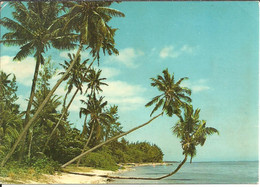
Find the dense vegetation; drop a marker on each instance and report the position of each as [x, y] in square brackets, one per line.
[41, 139]
[68, 141]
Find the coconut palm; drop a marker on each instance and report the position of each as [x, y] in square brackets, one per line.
[77, 20]
[172, 98]
[75, 78]
[193, 132]
[173, 94]
[90, 20]
[33, 29]
[94, 82]
[115, 126]
[98, 118]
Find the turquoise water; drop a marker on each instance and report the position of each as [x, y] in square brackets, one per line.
[196, 173]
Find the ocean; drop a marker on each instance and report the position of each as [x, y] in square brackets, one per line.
[196, 173]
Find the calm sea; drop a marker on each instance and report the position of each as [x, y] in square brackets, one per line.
[196, 173]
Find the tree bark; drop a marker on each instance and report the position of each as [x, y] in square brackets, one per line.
[85, 146]
[137, 178]
[27, 115]
[27, 126]
[109, 140]
[30, 145]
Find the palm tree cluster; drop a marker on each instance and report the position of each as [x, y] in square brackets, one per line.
[39, 26]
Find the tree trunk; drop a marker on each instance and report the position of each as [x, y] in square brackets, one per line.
[136, 178]
[27, 115]
[27, 126]
[85, 146]
[30, 145]
[111, 139]
[63, 114]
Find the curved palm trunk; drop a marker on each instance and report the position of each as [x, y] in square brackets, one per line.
[27, 115]
[85, 146]
[137, 178]
[109, 140]
[57, 125]
[27, 126]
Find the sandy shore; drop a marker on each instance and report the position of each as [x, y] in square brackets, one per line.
[67, 178]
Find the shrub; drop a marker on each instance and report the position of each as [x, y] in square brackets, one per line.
[101, 160]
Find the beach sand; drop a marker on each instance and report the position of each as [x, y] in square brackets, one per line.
[67, 178]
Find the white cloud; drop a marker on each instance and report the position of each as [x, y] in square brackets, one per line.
[23, 70]
[128, 57]
[109, 72]
[127, 96]
[171, 52]
[196, 86]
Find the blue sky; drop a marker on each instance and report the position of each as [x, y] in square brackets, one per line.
[215, 44]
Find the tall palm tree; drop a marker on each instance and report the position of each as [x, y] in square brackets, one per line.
[78, 17]
[33, 29]
[75, 78]
[172, 98]
[99, 118]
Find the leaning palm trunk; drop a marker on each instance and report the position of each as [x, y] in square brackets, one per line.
[109, 140]
[66, 109]
[27, 126]
[27, 115]
[85, 146]
[138, 178]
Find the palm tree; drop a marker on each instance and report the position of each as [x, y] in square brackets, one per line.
[94, 82]
[172, 98]
[172, 95]
[98, 118]
[75, 78]
[78, 17]
[33, 29]
[115, 126]
[10, 117]
[192, 132]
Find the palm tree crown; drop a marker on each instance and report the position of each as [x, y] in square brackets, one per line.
[90, 19]
[94, 81]
[173, 94]
[99, 118]
[192, 131]
[34, 29]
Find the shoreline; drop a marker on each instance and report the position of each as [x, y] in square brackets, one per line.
[68, 178]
